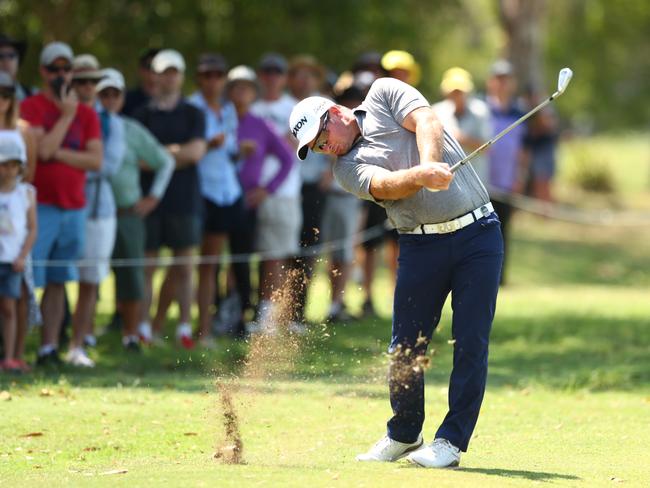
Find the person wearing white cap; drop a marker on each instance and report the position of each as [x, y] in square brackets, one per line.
[17, 236]
[392, 150]
[257, 140]
[280, 215]
[24, 147]
[69, 143]
[466, 117]
[132, 206]
[176, 222]
[101, 221]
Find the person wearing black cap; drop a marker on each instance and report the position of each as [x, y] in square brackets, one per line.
[222, 194]
[12, 52]
[142, 93]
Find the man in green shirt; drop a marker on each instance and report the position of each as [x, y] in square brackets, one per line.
[143, 152]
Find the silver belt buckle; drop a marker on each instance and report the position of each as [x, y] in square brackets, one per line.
[447, 227]
[485, 211]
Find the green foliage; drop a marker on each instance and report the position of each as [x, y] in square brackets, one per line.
[590, 171]
[605, 42]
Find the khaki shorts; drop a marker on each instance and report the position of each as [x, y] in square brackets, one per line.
[340, 224]
[279, 220]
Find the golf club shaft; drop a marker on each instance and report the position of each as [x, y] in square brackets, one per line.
[503, 132]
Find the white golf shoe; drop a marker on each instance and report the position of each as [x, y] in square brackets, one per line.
[78, 357]
[440, 454]
[387, 450]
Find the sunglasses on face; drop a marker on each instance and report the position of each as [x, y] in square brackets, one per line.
[109, 93]
[321, 137]
[7, 93]
[272, 71]
[85, 81]
[7, 55]
[66, 68]
[212, 74]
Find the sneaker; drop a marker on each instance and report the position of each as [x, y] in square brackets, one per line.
[440, 454]
[208, 342]
[131, 344]
[342, 316]
[78, 357]
[24, 367]
[145, 333]
[368, 310]
[11, 366]
[297, 328]
[184, 336]
[50, 359]
[90, 340]
[387, 450]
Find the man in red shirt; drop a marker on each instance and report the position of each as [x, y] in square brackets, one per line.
[69, 144]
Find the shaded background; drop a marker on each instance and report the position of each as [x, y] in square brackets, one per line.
[605, 42]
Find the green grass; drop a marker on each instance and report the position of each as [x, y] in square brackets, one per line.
[568, 401]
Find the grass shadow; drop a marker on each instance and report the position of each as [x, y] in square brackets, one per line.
[520, 473]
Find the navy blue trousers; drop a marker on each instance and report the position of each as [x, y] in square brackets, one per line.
[467, 264]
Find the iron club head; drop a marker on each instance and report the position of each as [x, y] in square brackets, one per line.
[563, 79]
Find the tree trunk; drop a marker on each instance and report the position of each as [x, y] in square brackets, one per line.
[521, 21]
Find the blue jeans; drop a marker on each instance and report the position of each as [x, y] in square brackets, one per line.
[61, 236]
[466, 263]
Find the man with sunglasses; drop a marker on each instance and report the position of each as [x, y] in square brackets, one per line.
[391, 150]
[12, 52]
[69, 144]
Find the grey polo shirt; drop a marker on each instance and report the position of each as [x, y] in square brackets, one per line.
[387, 146]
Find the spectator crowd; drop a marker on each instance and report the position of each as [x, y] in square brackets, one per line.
[92, 171]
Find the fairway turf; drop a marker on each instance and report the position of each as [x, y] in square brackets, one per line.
[568, 399]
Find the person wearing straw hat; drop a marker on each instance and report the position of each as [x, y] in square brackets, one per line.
[467, 118]
[391, 150]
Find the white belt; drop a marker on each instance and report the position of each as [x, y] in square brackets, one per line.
[453, 225]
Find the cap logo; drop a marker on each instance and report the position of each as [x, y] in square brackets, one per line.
[298, 126]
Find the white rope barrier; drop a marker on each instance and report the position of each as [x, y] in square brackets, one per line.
[551, 210]
[565, 213]
[308, 251]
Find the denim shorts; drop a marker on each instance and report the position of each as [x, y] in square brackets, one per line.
[10, 281]
[61, 234]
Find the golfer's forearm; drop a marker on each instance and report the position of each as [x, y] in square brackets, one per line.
[429, 137]
[394, 185]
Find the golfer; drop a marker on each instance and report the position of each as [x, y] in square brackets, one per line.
[391, 150]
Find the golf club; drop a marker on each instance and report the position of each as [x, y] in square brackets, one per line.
[563, 80]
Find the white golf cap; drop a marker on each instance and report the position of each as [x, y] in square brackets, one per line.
[168, 58]
[242, 73]
[55, 50]
[111, 78]
[11, 148]
[304, 121]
